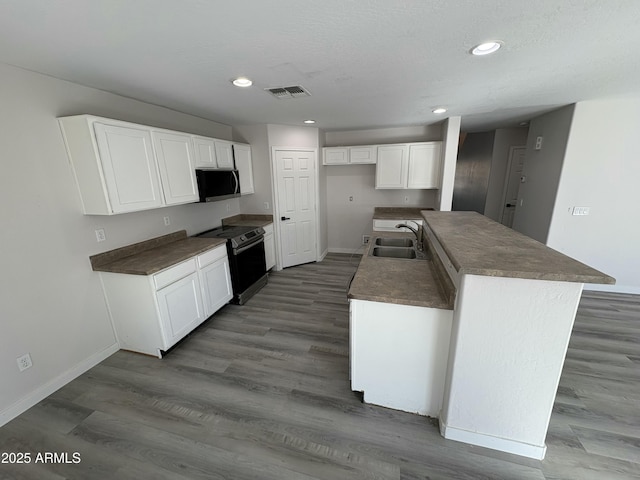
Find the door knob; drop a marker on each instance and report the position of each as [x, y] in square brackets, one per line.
[284, 218]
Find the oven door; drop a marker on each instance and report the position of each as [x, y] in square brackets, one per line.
[248, 265]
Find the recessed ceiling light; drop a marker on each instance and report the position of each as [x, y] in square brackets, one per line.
[309, 121]
[242, 82]
[439, 110]
[486, 48]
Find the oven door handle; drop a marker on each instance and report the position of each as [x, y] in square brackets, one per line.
[237, 251]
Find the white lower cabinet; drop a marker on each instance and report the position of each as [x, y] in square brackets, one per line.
[215, 279]
[269, 247]
[181, 309]
[151, 313]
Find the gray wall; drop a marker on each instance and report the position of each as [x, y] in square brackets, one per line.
[505, 139]
[472, 172]
[51, 302]
[601, 169]
[351, 192]
[537, 196]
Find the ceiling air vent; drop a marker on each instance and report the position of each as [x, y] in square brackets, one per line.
[294, 91]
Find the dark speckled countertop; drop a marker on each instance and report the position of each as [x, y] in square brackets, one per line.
[151, 256]
[398, 213]
[476, 245]
[248, 220]
[400, 281]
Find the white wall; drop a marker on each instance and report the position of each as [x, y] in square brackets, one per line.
[504, 139]
[420, 133]
[601, 170]
[450, 144]
[51, 302]
[542, 171]
[348, 219]
[303, 137]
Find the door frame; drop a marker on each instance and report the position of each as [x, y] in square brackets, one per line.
[276, 206]
[507, 174]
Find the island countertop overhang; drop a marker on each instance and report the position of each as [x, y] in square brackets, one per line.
[477, 245]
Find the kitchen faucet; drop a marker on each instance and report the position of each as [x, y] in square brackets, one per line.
[416, 232]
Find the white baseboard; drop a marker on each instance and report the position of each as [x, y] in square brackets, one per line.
[494, 443]
[358, 251]
[612, 288]
[48, 388]
[322, 255]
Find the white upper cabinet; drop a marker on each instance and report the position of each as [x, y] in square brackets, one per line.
[205, 152]
[224, 154]
[368, 154]
[335, 156]
[391, 169]
[177, 167]
[242, 156]
[114, 166]
[424, 165]
[409, 166]
[349, 155]
[124, 167]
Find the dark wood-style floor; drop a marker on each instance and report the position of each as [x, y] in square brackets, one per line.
[262, 392]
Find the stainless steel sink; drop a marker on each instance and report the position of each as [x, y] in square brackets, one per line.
[394, 252]
[394, 242]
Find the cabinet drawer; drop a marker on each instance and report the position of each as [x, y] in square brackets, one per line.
[211, 256]
[172, 274]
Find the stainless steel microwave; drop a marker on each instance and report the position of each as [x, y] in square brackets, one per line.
[217, 184]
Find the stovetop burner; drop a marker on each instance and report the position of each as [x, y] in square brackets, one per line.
[239, 235]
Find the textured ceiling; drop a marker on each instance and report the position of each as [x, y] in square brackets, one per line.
[367, 63]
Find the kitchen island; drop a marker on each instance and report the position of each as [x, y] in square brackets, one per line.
[515, 303]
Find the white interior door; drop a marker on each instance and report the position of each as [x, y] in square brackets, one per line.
[296, 196]
[512, 184]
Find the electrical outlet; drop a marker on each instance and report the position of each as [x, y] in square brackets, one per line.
[167, 221]
[266, 205]
[228, 207]
[365, 239]
[24, 362]
[100, 235]
[406, 199]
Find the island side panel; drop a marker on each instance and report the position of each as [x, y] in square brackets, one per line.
[508, 346]
[398, 355]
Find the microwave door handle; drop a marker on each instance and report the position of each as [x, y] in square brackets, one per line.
[235, 179]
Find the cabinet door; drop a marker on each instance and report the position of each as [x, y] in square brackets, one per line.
[224, 154]
[177, 167]
[216, 285]
[335, 156]
[242, 156]
[424, 165]
[391, 169]
[205, 152]
[367, 154]
[269, 251]
[181, 310]
[129, 167]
